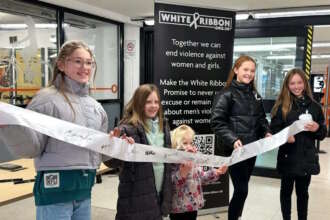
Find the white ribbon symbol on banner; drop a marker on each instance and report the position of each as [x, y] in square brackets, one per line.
[117, 148]
[194, 22]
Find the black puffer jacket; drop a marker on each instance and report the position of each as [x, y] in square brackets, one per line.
[299, 158]
[237, 113]
[137, 196]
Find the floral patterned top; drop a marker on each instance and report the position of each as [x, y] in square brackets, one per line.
[187, 192]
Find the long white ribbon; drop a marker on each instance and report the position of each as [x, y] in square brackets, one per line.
[117, 148]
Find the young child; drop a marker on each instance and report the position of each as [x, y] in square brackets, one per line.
[187, 179]
[297, 160]
[65, 173]
[238, 118]
[145, 189]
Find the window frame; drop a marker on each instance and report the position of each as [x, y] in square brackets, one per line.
[60, 38]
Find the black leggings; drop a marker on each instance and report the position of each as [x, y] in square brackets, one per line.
[240, 175]
[184, 216]
[302, 184]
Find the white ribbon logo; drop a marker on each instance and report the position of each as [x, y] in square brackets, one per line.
[194, 22]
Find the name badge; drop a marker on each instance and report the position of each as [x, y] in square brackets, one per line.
[51, 180]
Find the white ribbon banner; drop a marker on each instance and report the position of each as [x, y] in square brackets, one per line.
[117, 148]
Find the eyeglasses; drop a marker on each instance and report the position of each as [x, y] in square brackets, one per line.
[79, 63]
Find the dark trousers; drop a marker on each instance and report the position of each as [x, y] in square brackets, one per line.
[184, 216]
[240, 175]
[302, 184]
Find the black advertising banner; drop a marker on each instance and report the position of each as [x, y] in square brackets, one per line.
[193, 56]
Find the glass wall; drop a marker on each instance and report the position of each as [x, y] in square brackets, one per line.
[29, 45]
[103, 39]
[275, 56]
[27, 49]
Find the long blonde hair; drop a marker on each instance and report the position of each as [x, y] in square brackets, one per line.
[237, 64]
[179, 133]
[285, 98]
[66, 50]
[134, 110]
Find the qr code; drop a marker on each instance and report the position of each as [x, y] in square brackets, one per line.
[204, 143]
[51, 180]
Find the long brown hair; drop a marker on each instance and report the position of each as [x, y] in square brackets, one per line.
[66, 50]
[237, 64]
[285, 97]
[134, 109]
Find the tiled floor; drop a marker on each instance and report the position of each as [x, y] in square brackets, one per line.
[262, 203]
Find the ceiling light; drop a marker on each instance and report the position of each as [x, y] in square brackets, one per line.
[286, 57]
[24, 26]
[322, 26]
[46, 25]
[13, 26]
[264, 47]
[242, 16]
[291, 13]
[325, 44]
[149, 22]
[321, 56]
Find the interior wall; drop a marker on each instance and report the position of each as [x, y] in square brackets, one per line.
[321, 35]
[131, 60]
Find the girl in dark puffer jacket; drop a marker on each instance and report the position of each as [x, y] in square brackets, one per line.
[238, 118]
[297, 160]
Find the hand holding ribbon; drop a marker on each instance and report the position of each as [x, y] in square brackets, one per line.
[312, 126]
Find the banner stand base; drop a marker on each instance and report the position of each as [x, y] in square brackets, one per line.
[213, 210]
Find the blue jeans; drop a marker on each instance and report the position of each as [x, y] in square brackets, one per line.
[73, 210]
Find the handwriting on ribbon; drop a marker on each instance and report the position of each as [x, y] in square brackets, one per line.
[117, 148]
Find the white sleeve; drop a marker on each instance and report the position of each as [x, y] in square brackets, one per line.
[22, 142]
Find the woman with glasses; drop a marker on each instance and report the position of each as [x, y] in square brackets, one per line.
[65, 173]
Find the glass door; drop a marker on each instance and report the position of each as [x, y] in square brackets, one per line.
[27, 50]
[275, 56]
